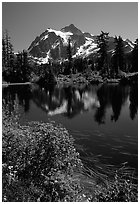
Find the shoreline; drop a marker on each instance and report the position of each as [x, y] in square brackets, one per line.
[12, 84]
[81, 79]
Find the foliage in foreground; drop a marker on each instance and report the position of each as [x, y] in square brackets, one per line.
[38, 163]
[120, 189]
[41, 164]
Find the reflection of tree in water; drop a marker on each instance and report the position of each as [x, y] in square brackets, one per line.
[9, 99]
[50, 91]
[58, 100]
[69, 95]
[24, 96]
[48, 98]
[20, 94]
[74, 105]
[133, 97]
[119, 95]
[71, 101]
[110, 95]
[103, 99]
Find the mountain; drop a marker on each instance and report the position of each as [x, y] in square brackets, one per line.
[71, 28]
[52, 44]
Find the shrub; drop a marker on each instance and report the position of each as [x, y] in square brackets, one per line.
[39, 160]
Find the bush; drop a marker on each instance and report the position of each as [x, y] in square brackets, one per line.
[39, 160]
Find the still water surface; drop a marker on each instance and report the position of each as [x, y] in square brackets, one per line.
[102, 118]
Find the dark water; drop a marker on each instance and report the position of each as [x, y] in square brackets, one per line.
[102, 118]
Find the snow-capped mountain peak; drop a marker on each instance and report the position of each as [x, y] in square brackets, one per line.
[52, 44]
[64, 35]
[71, 28]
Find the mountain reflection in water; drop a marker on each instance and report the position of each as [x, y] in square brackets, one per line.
[102, 118]
[71, 101]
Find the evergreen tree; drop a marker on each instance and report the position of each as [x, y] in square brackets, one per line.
[69, 54]
[3, 54]
[135, 57]
[25, 65]
[118, 57]
[7, 56]
[11, 57]
[9, 47]
[22, 66]
[102, 61]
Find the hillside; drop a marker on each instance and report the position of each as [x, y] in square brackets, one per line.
[52, 44]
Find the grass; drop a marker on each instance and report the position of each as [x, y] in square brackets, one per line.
[41, 164]
[118, 186]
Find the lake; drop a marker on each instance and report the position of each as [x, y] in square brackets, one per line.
[101, 118]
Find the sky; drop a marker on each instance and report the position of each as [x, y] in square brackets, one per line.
[27, 20]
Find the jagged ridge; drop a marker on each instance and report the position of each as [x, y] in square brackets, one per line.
[52, 44]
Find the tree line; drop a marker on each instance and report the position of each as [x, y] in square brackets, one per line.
[108, 64]
[112, 65]
[20, 68]
[15, 67]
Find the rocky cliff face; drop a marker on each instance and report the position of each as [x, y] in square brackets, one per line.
[52, 44]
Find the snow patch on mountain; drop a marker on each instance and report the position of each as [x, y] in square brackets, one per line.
[57, 43]
[45, 37]
[112, 51]
[131, 45]
[86, 49]
[43, 60]
[64, 35]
